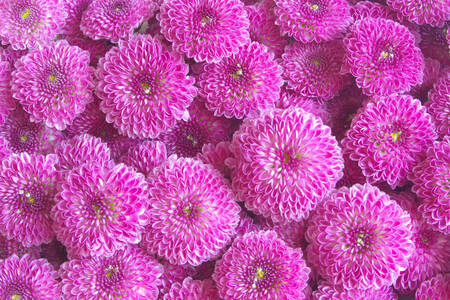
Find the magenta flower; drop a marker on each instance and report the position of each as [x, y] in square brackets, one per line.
[430, 182]
[216, 156]
[437, 288]
[53, 83]
[367, 9]
[193, 214]
[388, 137]
[115, 19]
[29, 23]
[144, 87]
[438, 104]
[28, 184]
[10, 55]
[172, 274]
[242, 84]
[330, 292]
[313, 70]
[285, 162]
[389, 62]
[313, 21]
[112, 201]
[74, 9]
[259, 265]
[363, 238]
[7, 103]
[193, 289]
[96, 48]
[82, 149]
[145, 156]
[206, 30]
[422, 12]
[4, 149]
[434, 43]
[12, 247]
[127, 274]
[27, 278]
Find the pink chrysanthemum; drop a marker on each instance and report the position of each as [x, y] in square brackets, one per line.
[207, 30]
[10, 55]
[172, 274]
[216, 156]
[438, 104]
[422, 12]
[263, 29]
[126, 274]
[115, 19]
[82, 149]
[430, 179]
[4, 149]
[13, 247]
[29, 23]
[7, 103]
[192, 215]
[291, 233]
[96, 48]
[259, 265]
[363, 238]
[329, 292]
[21, 135]
[74, 9]
[434, 43]
[436, 288]
[389, 62]
[54, 83]
[313, 21]
[242, 84]
[285, 162]
[144, 87]
[368, 9]
[388, 137]
[112, 203]
[313, 70]
[28, 184]
[145, 157]
[432, 249]
[27, 278]
[191, 289]
[430, 76]
[188, 137]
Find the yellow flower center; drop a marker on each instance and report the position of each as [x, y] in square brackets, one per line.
[23, 138]
[26, 13]
[396, 135]
[16, 297]
[259, 273]
[315, 7]
[146, 87]
[52, 78]
[316, 62]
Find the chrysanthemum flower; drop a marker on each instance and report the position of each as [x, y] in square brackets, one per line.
[54, 83]
[263, 29]
[430, 179]
[216, 156]
[259, 265]
[389, 62]
[127, 274]
[313, 70]
[144, 87]
[242, 84]
[368, 9]
[96, 48]
[438, 104]
[432, 249]
[27, 278]
[7, 103]
[193, 213]
[422, 12]
[28, 184]
[187, 138]
[206, 30]
[12, 247]
[21, 135]
[10, 55]
[171, 274]
[363, 238]
[74, 9]
[388, 137]
[436, 288]
[285, 162]
[29, 23]
[100, 209]
[82, 149]
[145, 157]
[191, 289]
[434, 43]
[4, 149]
[330, 292]
[431, 74]
[313, 21]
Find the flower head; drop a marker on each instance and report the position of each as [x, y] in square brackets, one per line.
[28, 185]
[7, 103]
[285, 162]
[53, 83]
[145, 156]
[363, 238]
[243, 84]
[368, 9]
[112, 202]
[193, 289]
[144, 87]
[206, 30]
[193, 214]
[438, 104]
[422, 12]
[29, 23]
[96, 48]
[390, 62]
[127, 274]
[259, 265]
[329, 292]
[216, 156]
[388, 137]
[313, 20]
[27, 278]
[437, 287]
[74, 9]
